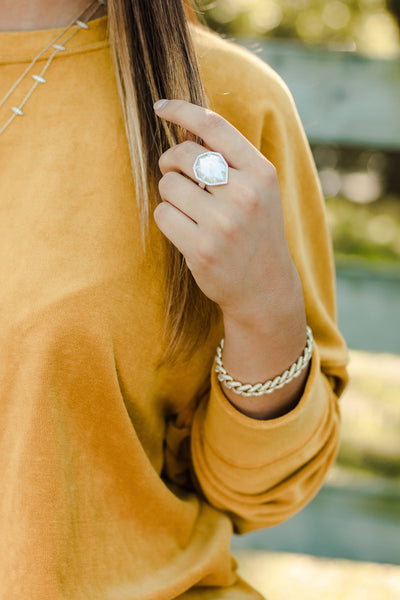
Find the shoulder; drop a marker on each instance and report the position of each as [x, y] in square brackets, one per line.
[240, 85]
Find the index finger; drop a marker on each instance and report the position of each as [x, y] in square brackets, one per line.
[219, 135]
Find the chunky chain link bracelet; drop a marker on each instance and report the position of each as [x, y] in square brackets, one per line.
[258, 389]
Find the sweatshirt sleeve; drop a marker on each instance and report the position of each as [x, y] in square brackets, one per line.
[261, 472]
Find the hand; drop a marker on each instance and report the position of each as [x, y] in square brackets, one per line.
[232, 236]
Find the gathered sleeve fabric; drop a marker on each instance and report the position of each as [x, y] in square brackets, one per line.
[261, 472]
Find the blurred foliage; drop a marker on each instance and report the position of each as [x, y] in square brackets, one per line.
[367, 26]
[367, 231]
[371, 415]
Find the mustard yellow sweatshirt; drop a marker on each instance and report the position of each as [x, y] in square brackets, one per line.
[120, 481]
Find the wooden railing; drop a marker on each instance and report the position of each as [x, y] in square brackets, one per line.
[342, 97]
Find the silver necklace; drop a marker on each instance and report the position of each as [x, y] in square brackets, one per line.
[17, 110]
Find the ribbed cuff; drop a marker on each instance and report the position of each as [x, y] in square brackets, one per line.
[249, 443]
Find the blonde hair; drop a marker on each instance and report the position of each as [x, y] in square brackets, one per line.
[154, 57]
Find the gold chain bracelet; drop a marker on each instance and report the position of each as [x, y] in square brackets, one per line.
[258, 389]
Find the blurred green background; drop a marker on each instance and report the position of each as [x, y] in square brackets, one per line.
[341, 61]
[367, 26]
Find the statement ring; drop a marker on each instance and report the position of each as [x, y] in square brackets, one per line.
[210, 168]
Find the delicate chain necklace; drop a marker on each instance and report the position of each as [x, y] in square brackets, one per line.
[17, 110]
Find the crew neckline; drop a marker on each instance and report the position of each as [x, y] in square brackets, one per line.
[23, 46]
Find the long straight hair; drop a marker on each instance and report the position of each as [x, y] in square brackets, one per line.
[154, 57]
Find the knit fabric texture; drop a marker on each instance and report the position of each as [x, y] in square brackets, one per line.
[121, 480]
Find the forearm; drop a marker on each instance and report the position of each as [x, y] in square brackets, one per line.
[259, 349]
[233, 238]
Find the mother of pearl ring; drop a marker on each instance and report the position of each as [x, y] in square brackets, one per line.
[210, 168]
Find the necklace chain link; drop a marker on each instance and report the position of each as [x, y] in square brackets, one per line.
[58, 47]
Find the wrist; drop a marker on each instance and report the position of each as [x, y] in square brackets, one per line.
[274, 331]
[266, 343]
[264, 352]
[268, 387]
[253, 360]
[271, 311]
[271, 398]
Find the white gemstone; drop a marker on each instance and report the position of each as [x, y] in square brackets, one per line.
[17, 110]
[211, 168]
[58, 47]
[39, 78]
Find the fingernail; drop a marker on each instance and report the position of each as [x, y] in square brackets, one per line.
[159, 104]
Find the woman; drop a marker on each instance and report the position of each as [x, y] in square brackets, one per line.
[126, 462]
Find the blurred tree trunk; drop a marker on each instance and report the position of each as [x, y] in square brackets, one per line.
[394, 7]
[393, 173]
